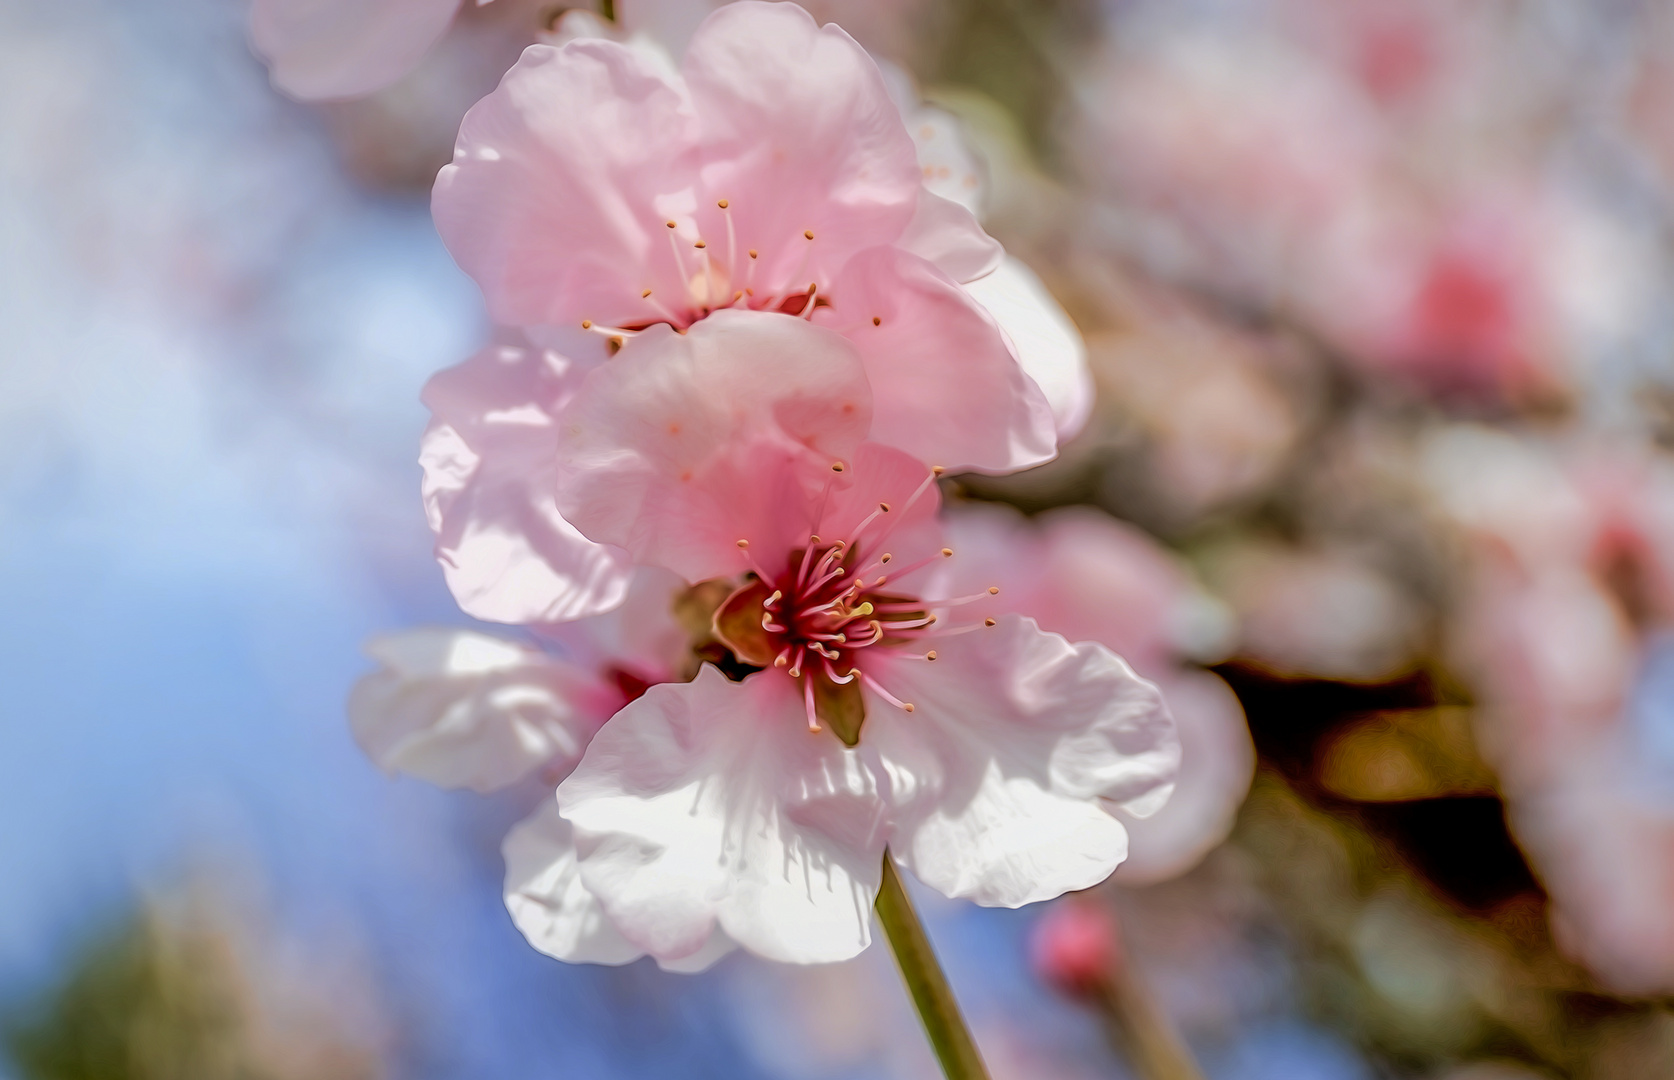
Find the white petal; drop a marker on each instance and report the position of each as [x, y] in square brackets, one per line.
[547, 900]
[322, 49]
[710, 803]
[997, 773]
[1047, 343]
[462, 709]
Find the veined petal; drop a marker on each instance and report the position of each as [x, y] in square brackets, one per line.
[462, 709]
[687, 443]
[489, 459]
[552, 202]
[945, 386]
[710, 803]
[547, 900]
[800, 136]
[1047, 343]
[995, 776]
[322, 49]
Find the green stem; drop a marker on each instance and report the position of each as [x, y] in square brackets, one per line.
[949, 1036]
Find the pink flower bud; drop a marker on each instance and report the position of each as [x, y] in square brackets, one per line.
[1075, 946]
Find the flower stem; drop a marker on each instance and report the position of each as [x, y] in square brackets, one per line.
[949, 1036]
[1140, 1028]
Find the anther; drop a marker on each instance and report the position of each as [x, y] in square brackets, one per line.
[587, 324]
[744, 544]
[931, 655]
[947, 553]
[937, 470]
[644, 294]
[670, 224]
[993, 590]
[885, 557]
[836, 466]
[884, 507]
[808, 233]
[700, 244]
[722, 204]
[752, 253]
[907, 706]
[876, 321]
[988, 622]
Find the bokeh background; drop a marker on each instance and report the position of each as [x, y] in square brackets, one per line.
[1380, 303]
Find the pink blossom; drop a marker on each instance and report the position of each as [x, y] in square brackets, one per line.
[597, 191]
[323, 49]
[983, 753]
[1082, 574]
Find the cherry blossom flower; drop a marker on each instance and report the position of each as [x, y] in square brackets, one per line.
[987, 755]
[1080, 573]
[597, 194]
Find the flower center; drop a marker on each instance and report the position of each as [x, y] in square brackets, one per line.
[831, 609]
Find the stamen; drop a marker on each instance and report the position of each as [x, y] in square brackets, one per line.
[808, 233]
[808, 308]
[808, 703]
[772, 601]
[905, 706]
[876, 321]
[732, 247]
[840, 680]
[796, 664]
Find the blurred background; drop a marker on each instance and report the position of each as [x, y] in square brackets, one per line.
[1379, 298]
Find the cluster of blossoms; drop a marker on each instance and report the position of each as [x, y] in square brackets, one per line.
[741, 338]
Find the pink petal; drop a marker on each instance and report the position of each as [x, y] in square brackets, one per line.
[945, 386]
[322, 49]
[551, 202]
[799, 135]
[709, 804]
[997, 773]
[687, 443]
[461, 709]
[489, 461]
[947, 234]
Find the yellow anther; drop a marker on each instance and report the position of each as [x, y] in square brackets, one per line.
[587, 324]
[947, 553]
[937, 470]
[988, 622]
[931, 655]
[836, 466]
[744, 544]
[644, 294]
[993, 590]
[884, 507]
[722, 204]
[907, 706]
[670, 224]
[809, 233]
[752, 253]
[876, 321]
[886, 557]
[700, 244]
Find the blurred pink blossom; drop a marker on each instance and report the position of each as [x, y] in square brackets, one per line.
[1565, 629]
